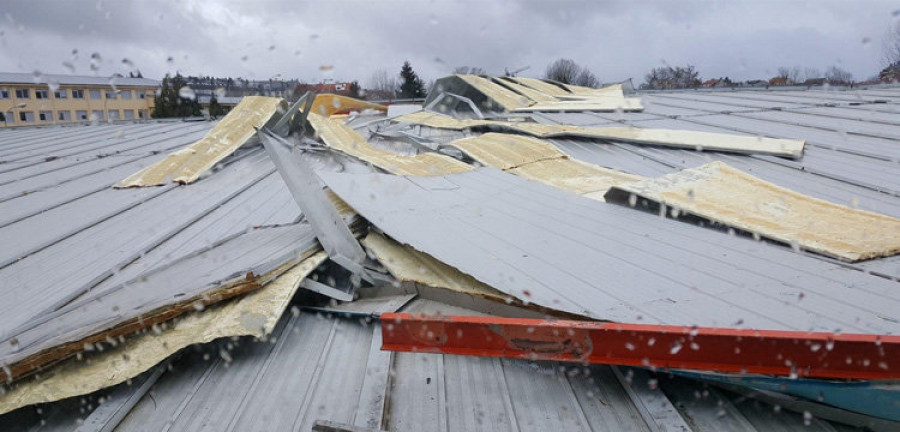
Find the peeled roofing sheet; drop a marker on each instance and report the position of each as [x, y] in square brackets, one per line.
[657, 137]
[254, 314]
[530, 93]
[541, 161]
[341, 137]
[724, 194]
[608, 262]
[542, 86]
[233, 131]
[508, 99]
[410, 265]
[206, 276]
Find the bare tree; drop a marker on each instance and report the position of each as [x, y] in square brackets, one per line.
[568, 72]
[794, 75]
[836, 75]
[811, 74]
[783, 72]
[890, 46]
[789, 75]
[384, 84]
[469, 70]
[668, 77]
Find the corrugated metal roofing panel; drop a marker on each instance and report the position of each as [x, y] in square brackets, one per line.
[505, 231]
[76, 262]
[653, 162]
[314, 367]
[46, 174]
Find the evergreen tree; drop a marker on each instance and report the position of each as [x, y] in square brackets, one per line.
[355, 90]
[215, 110]
[411, 85]
[169, 101]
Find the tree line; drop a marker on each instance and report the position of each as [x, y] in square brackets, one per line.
[173, 101]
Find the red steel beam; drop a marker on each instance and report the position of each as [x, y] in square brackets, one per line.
[770, 352]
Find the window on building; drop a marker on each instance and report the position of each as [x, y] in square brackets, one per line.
[110, 94]
[61, 94]
[81, 115]
[42, 94]
[4, 93]
[77, 94]
[142, 114]
[113, 115]
[126, 94]
[129, 114]
[95, 94]
[64, 115]
[97, 115]
[23, 94]
[26, 116]
[9, 117]
[46, 116]
[142, 95]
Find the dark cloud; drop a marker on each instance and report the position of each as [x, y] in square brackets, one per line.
[617, 40]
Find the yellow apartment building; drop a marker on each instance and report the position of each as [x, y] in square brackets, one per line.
[59, 99]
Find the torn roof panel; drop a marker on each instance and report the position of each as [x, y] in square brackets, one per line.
[523, 95]
[539, 160]
[232, 132]
[503, 96]
[695, 140]
[541, 85]
[530, 93]
[723, 194]
[207, 275]
[86, 255]
[342, 138]
[507, 233]
[252, 315]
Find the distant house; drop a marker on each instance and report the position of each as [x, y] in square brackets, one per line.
[342, 88]
[814, 82]
[779, 81]
[225, 102]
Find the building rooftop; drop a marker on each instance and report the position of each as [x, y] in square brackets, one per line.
[87, 80]
[70, 242]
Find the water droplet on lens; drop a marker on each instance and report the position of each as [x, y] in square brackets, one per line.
[186, 93]
[95, 61]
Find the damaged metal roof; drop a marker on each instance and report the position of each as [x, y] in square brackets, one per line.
[67, 239]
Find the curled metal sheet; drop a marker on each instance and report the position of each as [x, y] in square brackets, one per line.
[341, 137]
[541, 161]
[700, 141]
[254, 314]
[718, 192]
[232, 132]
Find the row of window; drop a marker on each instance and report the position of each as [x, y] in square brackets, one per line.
[74, 93]
[80, 115]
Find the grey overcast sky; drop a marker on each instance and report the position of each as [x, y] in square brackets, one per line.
[347, 40]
